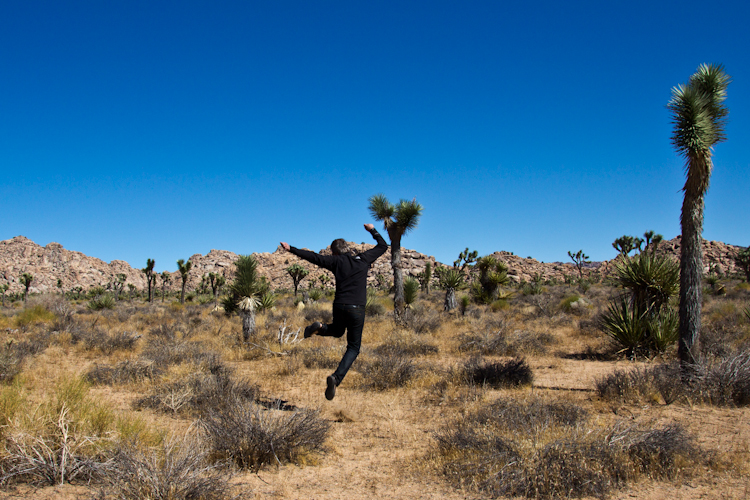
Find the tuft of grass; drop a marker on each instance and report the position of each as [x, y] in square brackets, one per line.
[33, 316]
[252, 436]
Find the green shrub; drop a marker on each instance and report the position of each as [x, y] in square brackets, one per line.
[33, 315]
[411, 290]
[102, 301]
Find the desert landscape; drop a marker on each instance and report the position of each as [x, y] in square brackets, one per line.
[524, 396]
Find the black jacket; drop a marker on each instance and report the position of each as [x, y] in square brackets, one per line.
[350, 271]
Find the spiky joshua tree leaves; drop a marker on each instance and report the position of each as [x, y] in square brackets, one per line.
[244, 294]
[698, 119]
[184, 268]
[398, 220]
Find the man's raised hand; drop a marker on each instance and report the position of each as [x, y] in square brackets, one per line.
[285, 245]
[369, 227]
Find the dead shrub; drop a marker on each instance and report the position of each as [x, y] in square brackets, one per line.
[421, 319]
[387, 371]
[251, 436]
[406, 346]
[326, 358]
[511, 373]
[124, 372]
[503, 343]
[179, 471]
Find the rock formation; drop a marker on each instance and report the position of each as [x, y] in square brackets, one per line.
[52, 262]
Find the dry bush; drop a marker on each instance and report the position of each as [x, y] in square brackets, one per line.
[106, 343]
[511, 373]
[724, 382]
[386, 371]
[504, 343]
[421, 319]
[538, 449]
[181, 471]
[326, 357]
[124, 372]
[403, 344]
[198, 393]
[252, 436]
[317, 313]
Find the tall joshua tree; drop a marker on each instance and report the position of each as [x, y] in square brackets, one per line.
[397, 220]
[149, 272]
[165, 279]
[184, 268]
[698, 118]
[26, 280]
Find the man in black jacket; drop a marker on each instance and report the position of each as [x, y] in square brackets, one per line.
[350, 272]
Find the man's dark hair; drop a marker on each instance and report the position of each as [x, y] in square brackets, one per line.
[339, 247]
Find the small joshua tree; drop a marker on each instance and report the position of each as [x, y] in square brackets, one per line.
[118, 284]
[244, 294]
[652, 241]
[149, 272]
[465, 258]
[4, 288]
[184, 268]
[492, 275]
[425, 277]
[297, 273]
[625, 244]
[579, 259]
[26, 280]
[451, 280]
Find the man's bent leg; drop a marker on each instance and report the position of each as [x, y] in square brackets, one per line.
[338, 325]
[355, 322]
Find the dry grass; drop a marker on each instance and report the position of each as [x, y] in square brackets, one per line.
[523, 400]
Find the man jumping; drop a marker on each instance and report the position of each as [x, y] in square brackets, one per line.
[350, 272]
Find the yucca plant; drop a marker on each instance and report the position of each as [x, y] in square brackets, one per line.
[411, 290]
[245, 293]
[662, 329]
[625, 325]
[451, 280]
[492, 275]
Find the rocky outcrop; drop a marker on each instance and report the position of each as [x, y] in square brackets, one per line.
[52, 262]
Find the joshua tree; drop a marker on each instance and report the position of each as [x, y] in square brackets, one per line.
[149, 272]
[4, 288]
[184, 268]
[297, 273]
[426, 277]
[465, 258]
[397, 220]
[118, 284]
[26, 280]
[579, 259]
[217, 281]
[652, 241]
[698, 119]
[451, 280]
[165, 279]
[626, 244]
[492, 274]
[60, 285]
[244, 294]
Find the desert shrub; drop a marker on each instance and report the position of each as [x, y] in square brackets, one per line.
[387, 371]
[33, 315]
[421, 319]
[124, 372]
[251, 436]
[724, 382]
[198, 393]
[406, 346]
[101, 301]
[107, 343]
[503, 343]
[642, 384]
[324, 315]
[180, 471]
[540, 449]
[411, 290]
[511, 373]
[318, 357]
[11, 362]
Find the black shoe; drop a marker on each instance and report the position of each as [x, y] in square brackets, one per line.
[331, 389]
[313, 329]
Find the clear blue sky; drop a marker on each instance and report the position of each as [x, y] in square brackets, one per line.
[153, 129]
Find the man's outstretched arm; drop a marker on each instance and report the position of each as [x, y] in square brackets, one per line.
[323, 261]
[372, 254]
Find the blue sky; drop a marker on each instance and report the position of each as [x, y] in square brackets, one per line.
[136, 130]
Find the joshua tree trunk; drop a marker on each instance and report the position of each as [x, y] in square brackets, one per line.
[248, 324]
[398, 278]
[450, 300]
[691, 268]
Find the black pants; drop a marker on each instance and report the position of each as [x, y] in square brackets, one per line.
[349, 319]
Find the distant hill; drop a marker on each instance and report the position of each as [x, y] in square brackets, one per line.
[52, 262]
